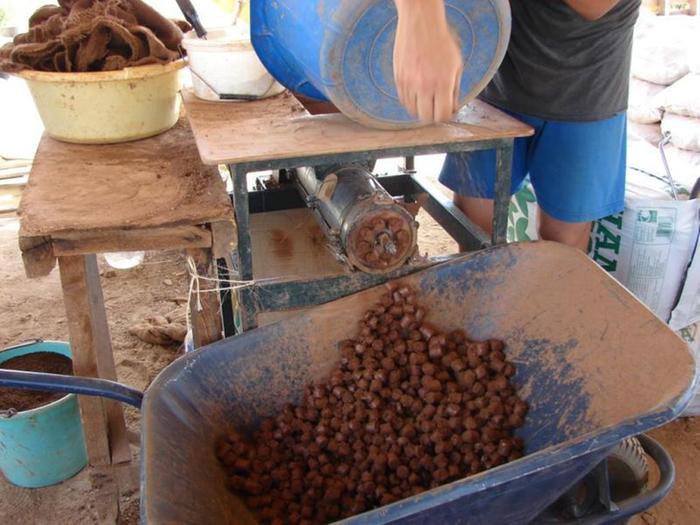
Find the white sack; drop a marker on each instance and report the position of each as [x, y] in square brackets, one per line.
[641, 108]
[650, 133]
[684, 131]
[681, 98]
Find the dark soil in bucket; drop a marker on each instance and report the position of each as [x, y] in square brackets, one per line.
[49, 362]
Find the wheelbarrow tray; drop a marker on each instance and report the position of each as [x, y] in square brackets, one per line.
[594, 363]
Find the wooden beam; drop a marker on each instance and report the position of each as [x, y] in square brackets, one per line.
[116, 425]
[37, 256]
[92, 357]
[224, 238]
[206, 322]
[174, 238]
[82, 341]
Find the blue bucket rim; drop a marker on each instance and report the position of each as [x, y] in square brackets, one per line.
[24, 414]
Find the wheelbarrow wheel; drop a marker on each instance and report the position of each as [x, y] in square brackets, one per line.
[628, 470]
[628, 476]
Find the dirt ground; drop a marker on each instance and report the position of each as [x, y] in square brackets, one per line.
[34, 308]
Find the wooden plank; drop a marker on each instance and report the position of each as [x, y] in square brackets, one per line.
[37, 256]
[14, 163]
[290, 244]
[206, 322]
[152, 183]
[10, 194]
[280, 128]
[172, 238]
[13, 173]
[223, 238]
[83, 341]
[116, 425]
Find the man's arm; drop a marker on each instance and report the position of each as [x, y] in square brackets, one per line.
[427, 60]
[591, 9]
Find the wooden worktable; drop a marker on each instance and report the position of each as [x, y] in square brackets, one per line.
[81, 200]
[280, 128]
[279, 133]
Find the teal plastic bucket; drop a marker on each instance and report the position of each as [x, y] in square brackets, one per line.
[45, 445]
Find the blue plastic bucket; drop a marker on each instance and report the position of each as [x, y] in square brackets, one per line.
[342, 51]
[45, 445]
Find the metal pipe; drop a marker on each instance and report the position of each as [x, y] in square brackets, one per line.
[86, 386]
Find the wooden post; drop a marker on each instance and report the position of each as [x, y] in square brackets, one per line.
[103, 421]
[206, 323]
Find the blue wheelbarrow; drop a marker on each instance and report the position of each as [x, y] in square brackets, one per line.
[596, 366]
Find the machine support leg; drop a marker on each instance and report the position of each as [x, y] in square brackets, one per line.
[223, 271]
[246, 297]
[446, 213]
[206, 321]
[504, 162]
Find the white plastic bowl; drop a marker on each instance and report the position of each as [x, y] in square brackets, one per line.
[227, 62]
[107, 106]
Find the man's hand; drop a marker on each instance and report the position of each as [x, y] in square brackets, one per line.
[427, 60]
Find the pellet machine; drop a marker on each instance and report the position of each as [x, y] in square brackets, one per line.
[367, 228]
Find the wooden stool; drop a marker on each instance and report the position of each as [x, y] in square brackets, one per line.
[81, 200]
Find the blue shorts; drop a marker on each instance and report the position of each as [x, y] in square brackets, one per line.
[576, 168]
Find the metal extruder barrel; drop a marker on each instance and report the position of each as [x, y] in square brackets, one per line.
[375, 233]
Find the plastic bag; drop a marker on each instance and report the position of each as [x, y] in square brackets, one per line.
[522, 215]
[648, 246]
[687, 311]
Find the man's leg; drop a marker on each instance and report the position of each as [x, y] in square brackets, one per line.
[479, 211]
[578, 173]
[575, 234]
[472, 177]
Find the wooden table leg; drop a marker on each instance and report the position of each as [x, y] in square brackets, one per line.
[206, 323]
[103, 421]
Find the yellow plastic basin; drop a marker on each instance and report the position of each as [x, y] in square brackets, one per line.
[107, 106]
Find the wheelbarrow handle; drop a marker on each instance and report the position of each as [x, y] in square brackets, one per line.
[86, 386]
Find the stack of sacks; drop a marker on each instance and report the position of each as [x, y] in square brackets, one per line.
[644, 118]
[680, 103]
[658, 60]
[665, 91]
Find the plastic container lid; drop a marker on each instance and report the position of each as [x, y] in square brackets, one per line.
[356, 58]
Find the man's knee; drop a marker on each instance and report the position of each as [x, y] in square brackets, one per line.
[576, 234]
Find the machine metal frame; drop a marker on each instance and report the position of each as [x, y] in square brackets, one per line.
[273, 296]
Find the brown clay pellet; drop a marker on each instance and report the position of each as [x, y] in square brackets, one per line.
[408, 408]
